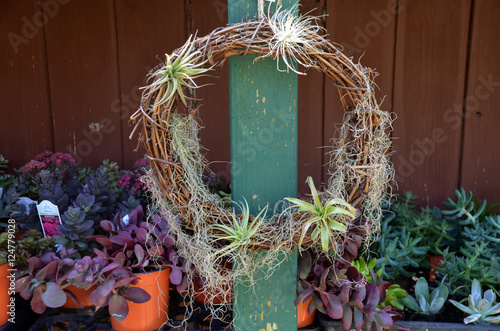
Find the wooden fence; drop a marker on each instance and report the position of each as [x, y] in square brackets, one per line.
[71, 72]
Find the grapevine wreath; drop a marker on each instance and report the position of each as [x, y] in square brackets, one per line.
[168, 129]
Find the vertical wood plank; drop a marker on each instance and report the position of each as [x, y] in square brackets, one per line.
[310, 115]
[429, 83]
[263, 119]
[214, 97]
[83, 75]
[144, 36]
[25, 108]
[366, 30]
[480, 157]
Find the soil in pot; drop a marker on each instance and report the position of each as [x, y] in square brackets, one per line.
[150, 315]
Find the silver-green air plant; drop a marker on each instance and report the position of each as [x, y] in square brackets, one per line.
[240, 233]
[294, 38]
[326, 219]
[178, 72]
[481, 309]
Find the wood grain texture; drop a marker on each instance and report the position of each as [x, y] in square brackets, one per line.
[144, 37]
[83, 74]
[310, 115]
[480, 158]
[213, 97]
[26, 119]
[366, 31]
[429, 81]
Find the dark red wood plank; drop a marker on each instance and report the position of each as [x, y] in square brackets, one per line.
[366, 31]
[214, 98]
[26, 120]
[146, 31]
[83, 75]
[310, 115]
[429, 83]
[480, 158]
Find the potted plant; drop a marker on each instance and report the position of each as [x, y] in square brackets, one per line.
[426, 305]
[144, 256]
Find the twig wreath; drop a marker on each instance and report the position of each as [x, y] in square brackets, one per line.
[205, 228]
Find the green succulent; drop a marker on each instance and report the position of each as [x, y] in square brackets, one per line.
[481, 309]
[427, 304]
[324, 218]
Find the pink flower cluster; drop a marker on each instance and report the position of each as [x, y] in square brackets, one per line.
[141, 163]
[46, 160]
[132, 181]
[50, 225]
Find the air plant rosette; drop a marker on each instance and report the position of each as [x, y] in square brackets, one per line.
[209, 231]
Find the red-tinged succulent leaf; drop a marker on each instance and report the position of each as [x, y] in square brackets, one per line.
[156, 251]
[304, 295]
[120, 258]
[110, 267]
[318, 303]
[106, 287]
[126, 281]
[166, 239]
[175, 275]
[118, 307]
[352, 273]
[382, 293]
[141, 235]
[137, 295]
[357, 320]
[48, 257]
[139, 252]
[356, 300]
[318, 270]
[105, 242]
[97, 299]
[34, 263]
[345, 292]
[372, 295]
[53, 296]
[108, 226]
[37, 304]
[351, 248]
[334, 306]
[121, 273]
[347, 317]
[362, 292]
[122, 241]
[310, 307]
[368, 311]
[172, 255]
[382, 318]
[48, 272]
[23, 286]
[183, 286]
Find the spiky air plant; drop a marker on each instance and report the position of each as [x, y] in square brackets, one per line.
[295, 37]
[178, 72]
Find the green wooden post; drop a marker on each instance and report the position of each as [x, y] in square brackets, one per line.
[263, 103]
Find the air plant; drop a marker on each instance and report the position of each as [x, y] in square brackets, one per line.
[240, 232]
[177, 73]
[295, 36]
[325, 219]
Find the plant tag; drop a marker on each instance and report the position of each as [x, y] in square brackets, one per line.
[49, 217]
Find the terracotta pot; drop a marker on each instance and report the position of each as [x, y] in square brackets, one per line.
[435, 262]
[82, 295]
[152, 314]
[303, 317]
[221, 297]
[4, 295]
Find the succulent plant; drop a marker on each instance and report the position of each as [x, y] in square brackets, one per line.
[426, 304]
[481, 309]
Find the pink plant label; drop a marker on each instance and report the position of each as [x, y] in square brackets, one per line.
[49, 217]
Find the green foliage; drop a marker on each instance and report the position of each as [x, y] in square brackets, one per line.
[481, 309]
[325, 219]
[426, 304]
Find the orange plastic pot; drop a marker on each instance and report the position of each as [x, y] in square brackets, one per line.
[303, 317]
[150, 315]
[435, 262]
[4, 293]
[82, 295]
